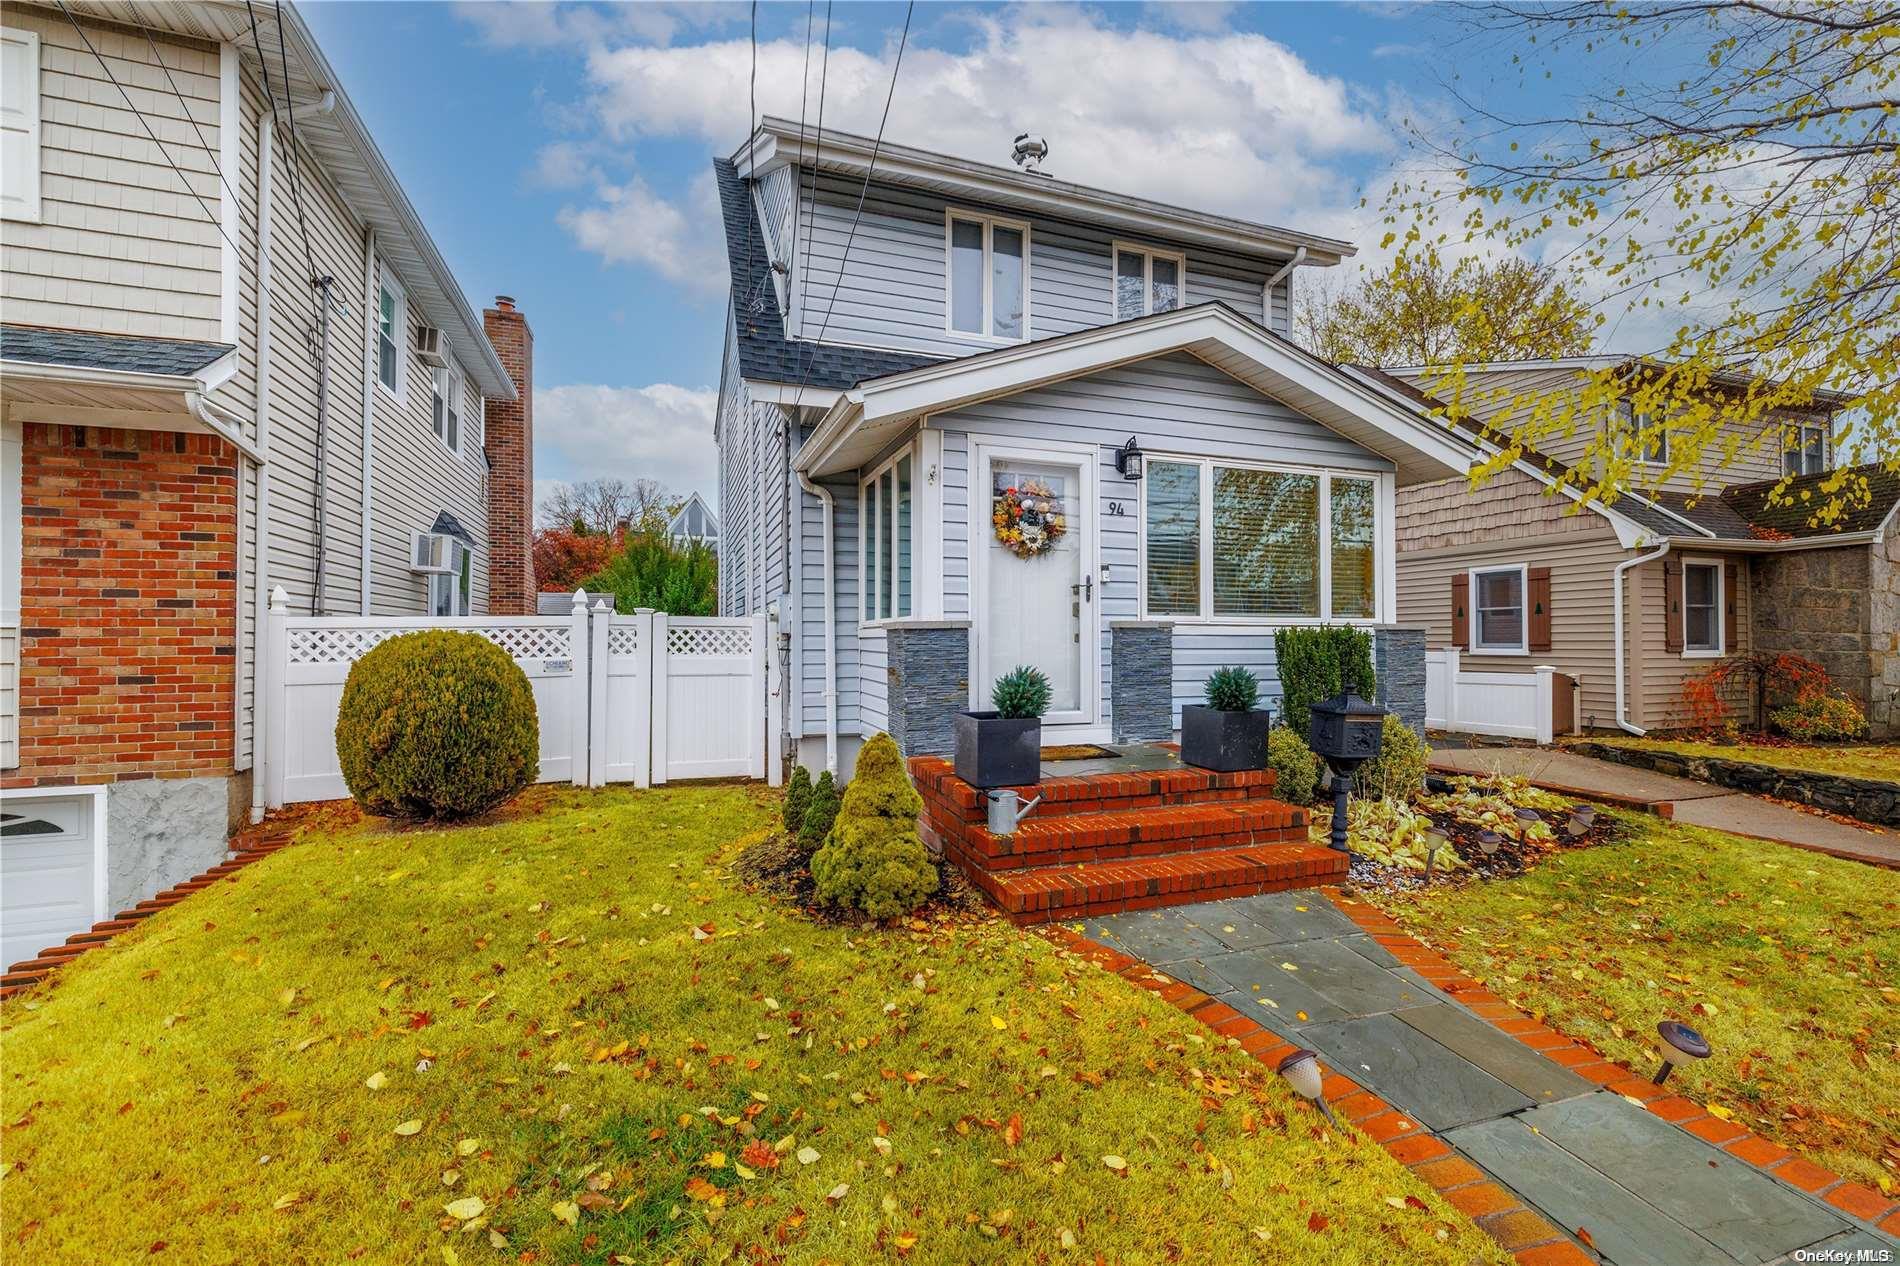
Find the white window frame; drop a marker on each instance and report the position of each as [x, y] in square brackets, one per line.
[23, 205]
[869, 561]
[399, 333]
[447, 380]
[990, 224]
[1639, 424]
[459, 579]
[1795, 446]
[1383, 562]
[1718, 622]
[1475, 623]
[1149, 255]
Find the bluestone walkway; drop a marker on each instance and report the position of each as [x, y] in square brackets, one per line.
[1642, 1191]
[1680, 799]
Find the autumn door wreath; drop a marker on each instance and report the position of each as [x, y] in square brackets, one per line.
[1028, 518]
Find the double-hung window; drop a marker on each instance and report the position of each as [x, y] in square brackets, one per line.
[1650, 438]
[1701, 608]
[448, 590]
[988, 265]
[1147, 281]
[886, 538]
[1499, 625]
[445, 406]
[391, 329]
[1230, 542]
[1806, 452]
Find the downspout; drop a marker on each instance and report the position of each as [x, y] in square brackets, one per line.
[1266, 291]
[261, 549]
[369, 401]
[1622, 704]
[831, 626]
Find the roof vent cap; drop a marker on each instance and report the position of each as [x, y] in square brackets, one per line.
[1028, 151]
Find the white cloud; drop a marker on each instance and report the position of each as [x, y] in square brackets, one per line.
[562, 165]
[662, 431]
[533, 24]
[1192, 15]
[630, 224]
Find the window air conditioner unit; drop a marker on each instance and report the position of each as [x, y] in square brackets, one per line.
[430, 347]
[431, 552]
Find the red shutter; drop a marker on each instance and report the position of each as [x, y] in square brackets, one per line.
[1672, 606]
[1460, 623]
[1730, 579]
[1539, 598]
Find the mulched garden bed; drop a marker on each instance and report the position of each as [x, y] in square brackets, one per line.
[776, 866]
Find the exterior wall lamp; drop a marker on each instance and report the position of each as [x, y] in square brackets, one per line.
[1129, 460]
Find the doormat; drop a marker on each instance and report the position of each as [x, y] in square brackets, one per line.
[1076, 751]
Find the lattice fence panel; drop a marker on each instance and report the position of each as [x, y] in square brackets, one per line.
[346, 645]
[698, 640]
[623, 639]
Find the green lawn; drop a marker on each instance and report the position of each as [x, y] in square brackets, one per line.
[568, 1036]
[1787, 961]
[1853, 760]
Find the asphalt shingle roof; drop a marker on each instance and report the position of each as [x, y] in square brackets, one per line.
[129, 354]
[1802, 498]
[1706, 510]
[764, 351]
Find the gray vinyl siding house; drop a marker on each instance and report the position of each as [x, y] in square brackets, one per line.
[854, 409]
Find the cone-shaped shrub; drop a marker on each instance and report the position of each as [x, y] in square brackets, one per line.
[797, 797]
[437, 725]
[820, 812]
[874, 860]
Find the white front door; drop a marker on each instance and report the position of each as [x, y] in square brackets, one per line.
[1036, 594]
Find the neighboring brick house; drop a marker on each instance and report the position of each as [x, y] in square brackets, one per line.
[175, 308]
[1633, 598]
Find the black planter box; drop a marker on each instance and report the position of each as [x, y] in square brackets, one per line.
[994, 751]
[1224, 741]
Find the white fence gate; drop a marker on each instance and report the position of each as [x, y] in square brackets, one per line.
[1511, 705]
[640, 698]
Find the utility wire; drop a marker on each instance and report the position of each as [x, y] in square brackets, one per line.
[140, 116]
[864, 189]
[804, 96]
[296, 166]
[186, 108]
[752, 155]
[817, 155]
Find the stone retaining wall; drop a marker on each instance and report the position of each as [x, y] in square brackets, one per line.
[1868, 799]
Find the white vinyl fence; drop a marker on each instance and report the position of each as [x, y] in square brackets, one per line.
[640, 698]
[1510, 705]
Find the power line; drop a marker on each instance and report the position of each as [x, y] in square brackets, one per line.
[804, 96]
[185, 106]
[296, 166]
[140, 116]
[752, 154]
[864, 189]
[817, 154]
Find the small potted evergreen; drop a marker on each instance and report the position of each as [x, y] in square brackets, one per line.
[1003, 746]
[1226, 733]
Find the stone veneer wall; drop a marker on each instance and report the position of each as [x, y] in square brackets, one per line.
[1141, 686]
[928, 668]
[1868, 799]
[1836, 606]
[1398, 660]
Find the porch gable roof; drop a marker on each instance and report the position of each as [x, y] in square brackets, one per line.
[867, 416]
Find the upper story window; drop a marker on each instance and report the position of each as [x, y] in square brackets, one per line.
[445, 406]
[1229, 542]
[988, 263]
[1650, 440]
[1147, 281]
[391, 327]
[1806, 451]
[886, 538]
[19, 125]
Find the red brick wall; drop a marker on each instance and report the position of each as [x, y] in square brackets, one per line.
[128, 605]
[508, 428]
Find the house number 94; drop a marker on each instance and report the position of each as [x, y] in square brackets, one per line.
[1117, 509]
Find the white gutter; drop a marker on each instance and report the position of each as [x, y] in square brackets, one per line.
[831, 627]
[227, 427]
[1299, 257]
[261, 549]
[1622, 703]
[369, 402]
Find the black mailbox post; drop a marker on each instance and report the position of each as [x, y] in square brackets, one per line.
[1345, 731]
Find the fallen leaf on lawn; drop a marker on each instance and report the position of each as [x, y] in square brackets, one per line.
[496, 1239]
[450, 1177]
[1262, 1234]
[808, 1155]
[1317, 1223]
[882, 1144]
[465, 1208]
[1013, 1132]
[1115, 1163]
[1719, 1112]
[411, 1126]
[996, 1022]
[837, 1193]
[376, 1080]
[467, 1147]
[569, 1212]
[1397, 1202]
[905, 1241]
[450, 1257]
[287, 1199]
[593, 1201]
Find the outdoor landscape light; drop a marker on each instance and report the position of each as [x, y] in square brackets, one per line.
[1302, 1072]
[1528, 815]
[1581, 818]
[1434, 840]
[1680, 1044]
[1489, 841]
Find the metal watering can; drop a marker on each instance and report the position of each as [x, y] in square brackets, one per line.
[1004, 815]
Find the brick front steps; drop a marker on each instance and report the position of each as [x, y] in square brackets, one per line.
[1103, 843]
[251, 845]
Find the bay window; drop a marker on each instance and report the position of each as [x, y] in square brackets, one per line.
[988, 276]
[449, 590]
[886, 539]
[1228, 542]
[1147, 281]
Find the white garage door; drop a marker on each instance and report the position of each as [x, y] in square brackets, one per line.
[51, 884]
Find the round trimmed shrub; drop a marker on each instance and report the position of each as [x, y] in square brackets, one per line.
[1820, 717]
[1398, 772]
[1296, 770]
[874, 860]
[437, 725]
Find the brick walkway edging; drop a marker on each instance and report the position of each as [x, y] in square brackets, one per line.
[1497, 1211]
[254, 844]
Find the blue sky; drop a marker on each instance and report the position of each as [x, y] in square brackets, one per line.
[559, 153]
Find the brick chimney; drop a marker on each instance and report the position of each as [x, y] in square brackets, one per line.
[508, 439]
